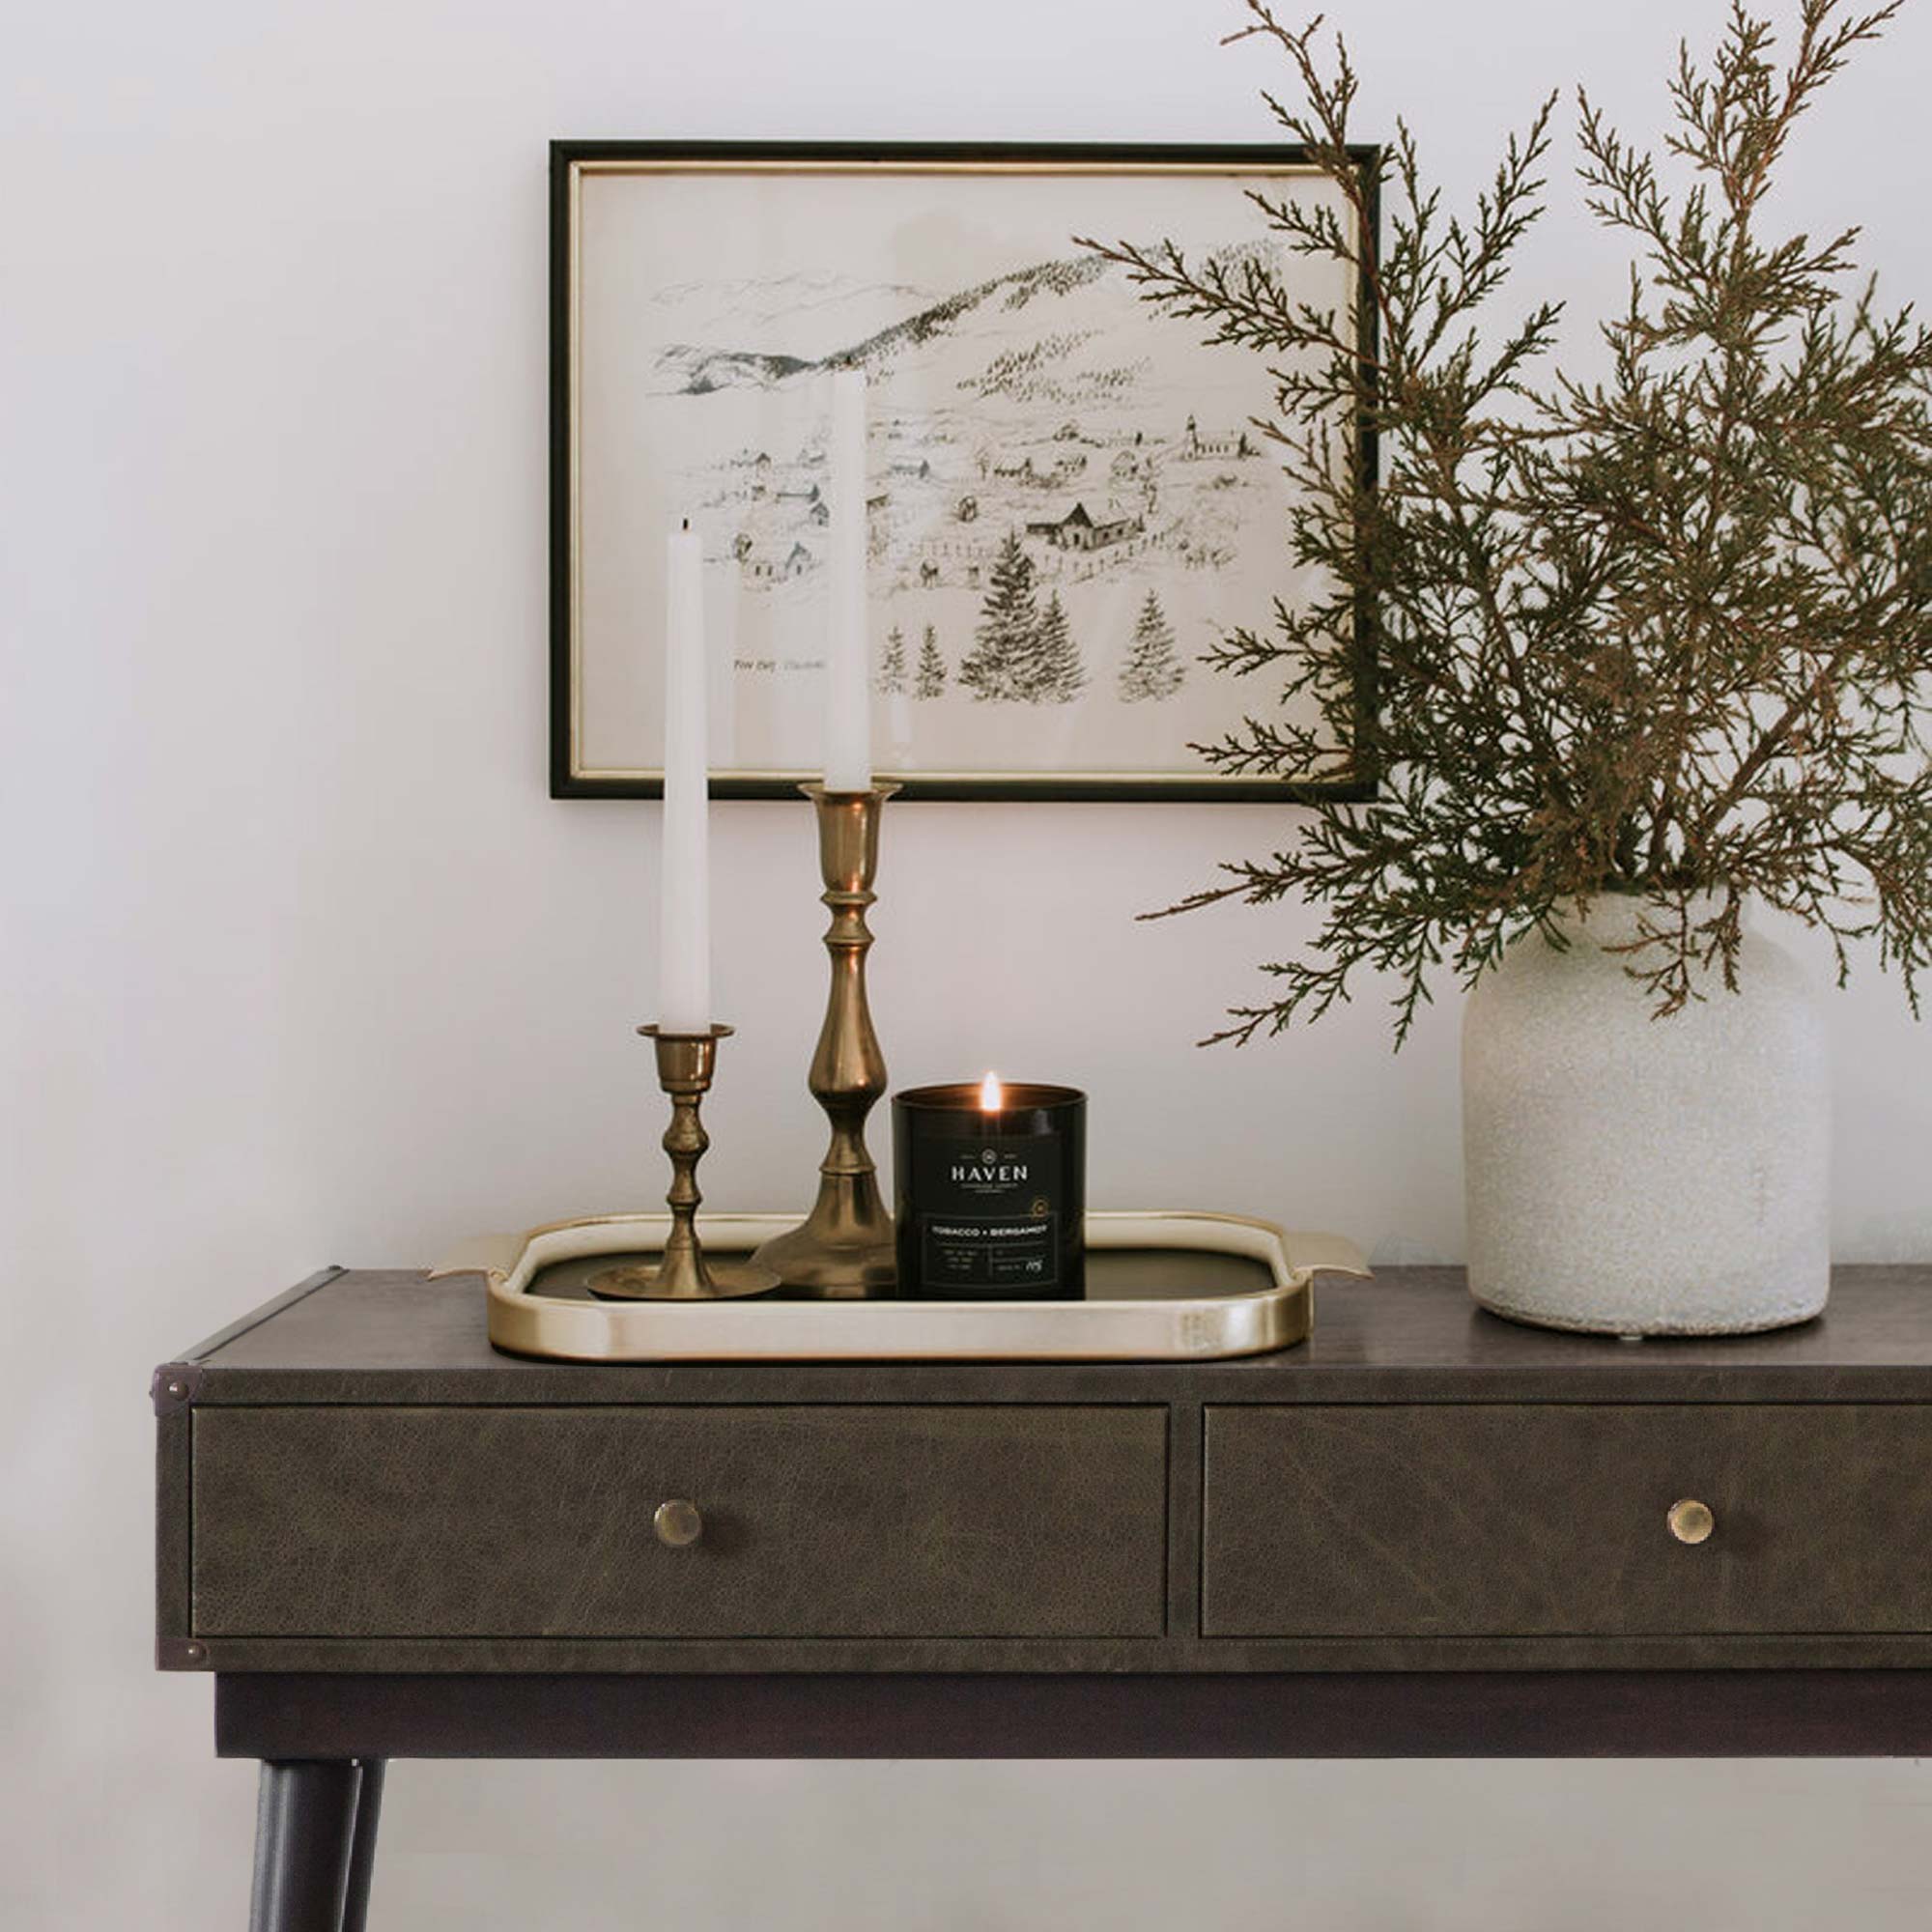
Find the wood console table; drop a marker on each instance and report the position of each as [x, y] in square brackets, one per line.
[1426, 1532]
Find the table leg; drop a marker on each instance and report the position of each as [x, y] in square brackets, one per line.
[305, 1834]
[362, 1847]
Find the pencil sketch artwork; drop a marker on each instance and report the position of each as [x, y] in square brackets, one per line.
[1067, 500]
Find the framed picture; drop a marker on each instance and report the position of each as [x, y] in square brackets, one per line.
[1053, 466]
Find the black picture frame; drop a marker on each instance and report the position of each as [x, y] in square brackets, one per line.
[568, 779]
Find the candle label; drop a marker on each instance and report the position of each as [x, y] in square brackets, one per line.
[989, 1213]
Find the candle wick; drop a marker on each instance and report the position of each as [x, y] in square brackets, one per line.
[687, 522]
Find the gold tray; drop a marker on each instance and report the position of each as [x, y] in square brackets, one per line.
[1161, 1286]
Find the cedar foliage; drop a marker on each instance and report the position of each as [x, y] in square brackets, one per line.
[1662, 632]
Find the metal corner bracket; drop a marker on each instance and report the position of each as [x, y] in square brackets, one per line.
[175, 1386]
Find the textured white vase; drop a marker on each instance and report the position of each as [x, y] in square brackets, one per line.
[1638, 1175]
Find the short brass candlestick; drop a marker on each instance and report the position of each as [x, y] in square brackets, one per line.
[685, 1064]
[843, 1249]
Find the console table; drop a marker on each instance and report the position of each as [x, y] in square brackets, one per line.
[1423, 1532]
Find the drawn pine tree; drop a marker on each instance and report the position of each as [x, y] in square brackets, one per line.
[1000, 663]
[1152, 669]
[890, 679]
[1056, 674]
[931, 680]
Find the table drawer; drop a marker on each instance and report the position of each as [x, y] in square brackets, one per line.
[1547, 1520]
[816, 1521]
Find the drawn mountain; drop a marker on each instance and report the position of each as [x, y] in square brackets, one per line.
[796, 320]
[688, 369]
[1005, 294]
[1063, 332]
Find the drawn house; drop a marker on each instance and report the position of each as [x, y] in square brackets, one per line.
[1201, 447]
[761, 473]
[1071, 531]
[1077, 530]
[772, 564]
[922, 469]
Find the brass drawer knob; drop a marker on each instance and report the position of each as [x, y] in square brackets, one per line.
[677, 1522]
[1692, 1521]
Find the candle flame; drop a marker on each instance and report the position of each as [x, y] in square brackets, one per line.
[992, 1096]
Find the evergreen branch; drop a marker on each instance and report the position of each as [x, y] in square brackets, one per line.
[1666, 631]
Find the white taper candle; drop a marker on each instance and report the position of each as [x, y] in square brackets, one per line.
[684, 922]
[848, 696]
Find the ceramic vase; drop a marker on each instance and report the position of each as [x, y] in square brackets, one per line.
[1641, 1175]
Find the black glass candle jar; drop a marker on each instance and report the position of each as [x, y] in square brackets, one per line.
[991, 1192]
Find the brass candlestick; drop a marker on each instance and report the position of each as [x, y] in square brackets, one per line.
[843, 1249]
[685, 1064]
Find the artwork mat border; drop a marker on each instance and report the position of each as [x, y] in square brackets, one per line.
[571, 161]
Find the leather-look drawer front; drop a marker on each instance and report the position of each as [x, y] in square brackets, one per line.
[1532, 1520]
[817, 1522]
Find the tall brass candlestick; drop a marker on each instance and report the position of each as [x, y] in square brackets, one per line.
[843, 1249]
[683, 1273]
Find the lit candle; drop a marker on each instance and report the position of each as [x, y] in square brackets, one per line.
[848, 698]
[992, 1190]
[684, 921]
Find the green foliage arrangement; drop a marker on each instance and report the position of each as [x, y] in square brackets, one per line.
[1660, 632]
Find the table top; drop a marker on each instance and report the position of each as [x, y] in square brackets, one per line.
[1410, 1334]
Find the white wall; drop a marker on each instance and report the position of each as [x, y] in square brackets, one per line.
[300, 964]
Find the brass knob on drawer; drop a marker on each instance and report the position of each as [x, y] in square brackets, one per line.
[677, 1522]
[1692, 1521]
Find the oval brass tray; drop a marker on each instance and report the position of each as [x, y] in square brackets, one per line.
[1161, 1286]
